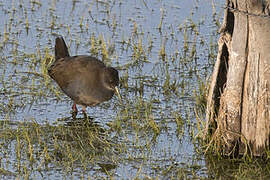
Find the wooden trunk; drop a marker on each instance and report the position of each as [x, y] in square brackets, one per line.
[238, 102]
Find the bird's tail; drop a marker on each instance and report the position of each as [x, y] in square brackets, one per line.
[61, 49]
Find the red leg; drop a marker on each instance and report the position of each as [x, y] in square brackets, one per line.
[74, 108]
[84, 109]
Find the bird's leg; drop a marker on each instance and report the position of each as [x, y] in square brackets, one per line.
[85, 114]
[74, 111]
[74, 108]
[84, 109]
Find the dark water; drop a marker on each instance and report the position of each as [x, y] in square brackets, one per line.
[162, 49]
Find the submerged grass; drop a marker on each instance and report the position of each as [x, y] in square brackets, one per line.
[71, 145]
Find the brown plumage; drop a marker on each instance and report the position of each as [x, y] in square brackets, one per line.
[85, 79]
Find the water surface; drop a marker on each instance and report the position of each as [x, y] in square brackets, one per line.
[163, 51]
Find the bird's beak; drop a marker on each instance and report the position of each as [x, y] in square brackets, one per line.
[116, 90]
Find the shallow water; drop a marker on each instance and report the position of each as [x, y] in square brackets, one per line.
[162, 49]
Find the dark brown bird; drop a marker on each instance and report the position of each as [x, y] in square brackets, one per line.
[85, 79]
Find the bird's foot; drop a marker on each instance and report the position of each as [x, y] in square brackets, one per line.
[74, 115]
[84, 110]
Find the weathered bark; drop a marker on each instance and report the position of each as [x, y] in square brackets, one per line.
[239, 96]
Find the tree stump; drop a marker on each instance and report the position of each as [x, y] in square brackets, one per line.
[238, 101]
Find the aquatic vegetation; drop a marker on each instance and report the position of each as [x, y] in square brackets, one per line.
[164, 51]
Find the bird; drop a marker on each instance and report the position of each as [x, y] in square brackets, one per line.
[85, 79]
